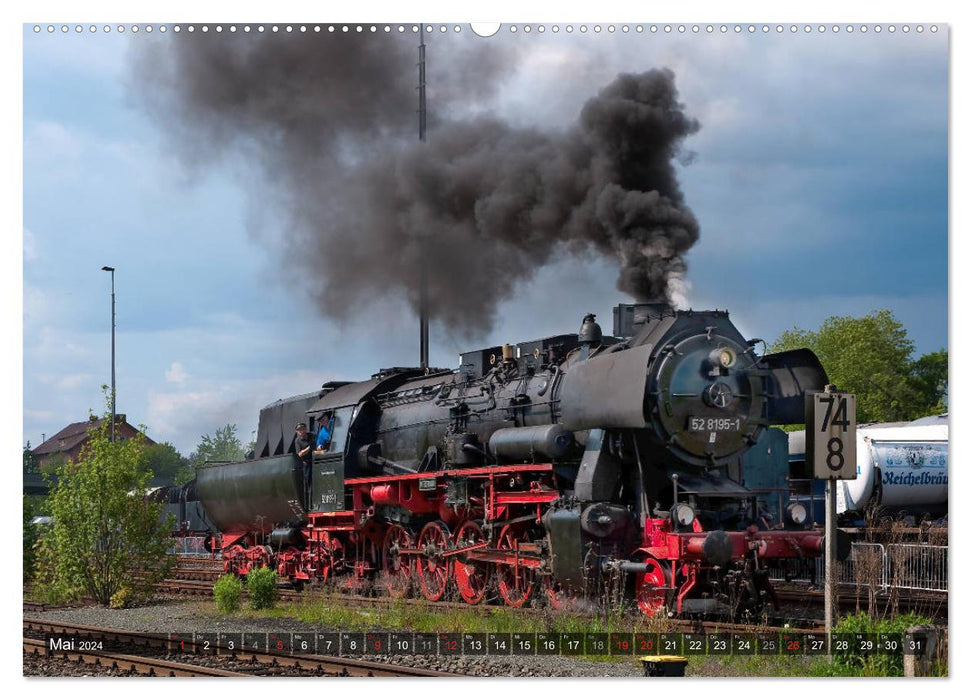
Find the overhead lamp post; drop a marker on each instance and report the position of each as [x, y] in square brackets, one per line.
[112, 271]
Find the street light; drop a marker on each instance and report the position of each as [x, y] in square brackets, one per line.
[112, 271]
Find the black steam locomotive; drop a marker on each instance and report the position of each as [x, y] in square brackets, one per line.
[565, 467]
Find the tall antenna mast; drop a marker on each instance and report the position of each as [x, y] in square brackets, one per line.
[423, 273]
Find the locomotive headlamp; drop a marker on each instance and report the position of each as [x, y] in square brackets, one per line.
[684, 514]
[796, 513]
[723, 357]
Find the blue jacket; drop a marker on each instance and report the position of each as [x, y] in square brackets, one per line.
[323, 437]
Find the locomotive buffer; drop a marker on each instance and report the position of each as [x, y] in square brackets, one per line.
[831, 450]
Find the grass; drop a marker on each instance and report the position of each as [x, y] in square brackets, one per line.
[417, 616]
[322, 612]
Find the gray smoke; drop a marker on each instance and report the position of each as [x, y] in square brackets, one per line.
[331, 123]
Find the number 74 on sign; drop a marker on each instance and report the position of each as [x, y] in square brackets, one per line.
[831, 434]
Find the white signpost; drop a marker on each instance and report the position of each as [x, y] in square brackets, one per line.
[831, 450]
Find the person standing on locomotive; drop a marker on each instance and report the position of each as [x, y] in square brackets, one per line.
[323, 436]
[303, 445]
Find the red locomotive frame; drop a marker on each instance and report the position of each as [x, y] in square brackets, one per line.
[497, 532]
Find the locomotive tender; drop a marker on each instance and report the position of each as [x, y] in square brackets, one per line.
[571, 466]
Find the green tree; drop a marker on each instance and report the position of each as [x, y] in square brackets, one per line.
[164, 462]
[30, 462]
[30, 539]
[105, 536]
[871, 357]
[223, 447]
[930, 378]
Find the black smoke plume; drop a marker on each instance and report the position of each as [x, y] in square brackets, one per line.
[331, 123]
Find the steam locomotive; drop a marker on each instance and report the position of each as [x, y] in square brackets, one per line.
[571, 467]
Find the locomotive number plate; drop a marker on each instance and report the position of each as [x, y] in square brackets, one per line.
[706, 424]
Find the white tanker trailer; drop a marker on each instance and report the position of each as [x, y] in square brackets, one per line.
[901, 467]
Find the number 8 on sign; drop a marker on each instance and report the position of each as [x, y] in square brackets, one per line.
[831, 435]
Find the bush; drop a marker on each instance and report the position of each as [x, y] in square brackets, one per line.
[875, 664]
[30, 540]
[122, 598]
[48, 587]
[104, 536]
[261, 586]
[227, 590]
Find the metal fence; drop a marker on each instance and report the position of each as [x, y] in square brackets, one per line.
[903, 566]
[917, 566]
[190, 547]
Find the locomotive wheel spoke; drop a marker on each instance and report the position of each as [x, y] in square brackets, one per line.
[515, 582]
[651, 596]
[471, 577]
[397, 567]
[432, 566]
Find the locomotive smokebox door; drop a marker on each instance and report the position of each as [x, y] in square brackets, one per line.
[328, 484]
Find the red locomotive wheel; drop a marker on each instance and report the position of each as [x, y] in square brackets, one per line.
[651, 585]
[397, 567]
[515, 582]
[431, 565]
[471, 576]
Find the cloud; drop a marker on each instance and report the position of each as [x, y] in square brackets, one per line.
[183, 416]
[39, 415]
[30, 245]
[176, 374]
[53, 148]
[66, 382]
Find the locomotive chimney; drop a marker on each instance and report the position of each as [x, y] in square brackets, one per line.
[630, 318]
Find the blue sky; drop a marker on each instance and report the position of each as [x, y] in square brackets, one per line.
[819, 180]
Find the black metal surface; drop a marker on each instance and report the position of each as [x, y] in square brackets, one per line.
[717, 548]
[477, 363]
[286, 537]
[606, 391]
[687, 389]
[566, 545]
[278, 422]
[252, 496]
[328, 484]
[601, 520]
[791, 375]
[599, 473]
[529, 443]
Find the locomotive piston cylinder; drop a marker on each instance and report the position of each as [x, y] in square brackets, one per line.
[384, 494]
[716, 547]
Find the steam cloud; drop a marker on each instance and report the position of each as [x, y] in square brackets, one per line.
[331, 122]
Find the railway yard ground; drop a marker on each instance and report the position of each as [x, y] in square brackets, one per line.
[316, 614]
[185, 604]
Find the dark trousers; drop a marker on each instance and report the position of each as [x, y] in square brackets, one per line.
[307, 476]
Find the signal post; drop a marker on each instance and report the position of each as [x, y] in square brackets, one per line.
[831, 450]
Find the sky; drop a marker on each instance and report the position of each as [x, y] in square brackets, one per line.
[818, 177]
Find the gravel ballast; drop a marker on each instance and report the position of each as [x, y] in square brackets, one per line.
[165, 616]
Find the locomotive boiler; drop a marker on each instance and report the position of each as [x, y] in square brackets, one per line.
[573, 466]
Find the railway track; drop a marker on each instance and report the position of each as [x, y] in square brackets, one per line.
[197, 581]
[141, 665]
[850, 598]
[35, 632]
